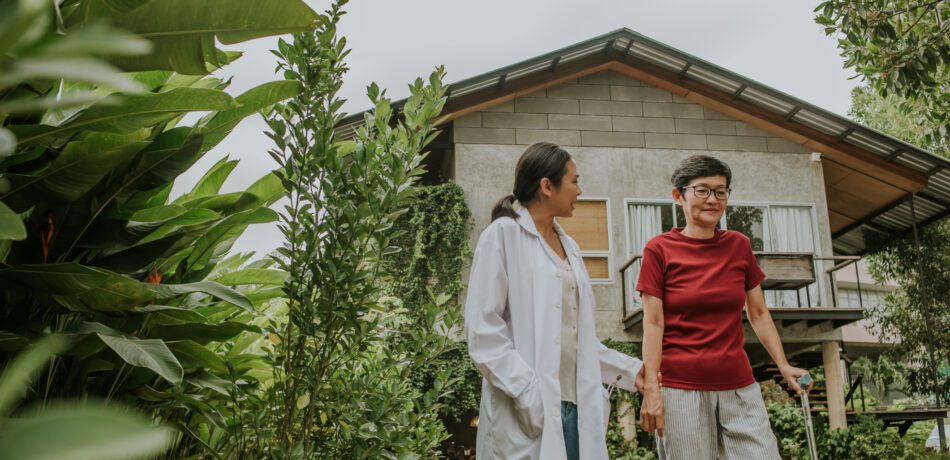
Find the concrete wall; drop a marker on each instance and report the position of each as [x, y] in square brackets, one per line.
[627, 138]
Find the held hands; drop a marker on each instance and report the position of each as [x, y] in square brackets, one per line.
[651, 412]
[791, 376]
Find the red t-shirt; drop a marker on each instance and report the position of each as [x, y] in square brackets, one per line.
[702, 283]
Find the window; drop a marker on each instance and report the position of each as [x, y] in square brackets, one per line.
[779, 228]
[770, 228]
[848, 297]
[590, 228]
[647, 220]
[750, 221]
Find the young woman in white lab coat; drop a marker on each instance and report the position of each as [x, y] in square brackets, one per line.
[529, 318]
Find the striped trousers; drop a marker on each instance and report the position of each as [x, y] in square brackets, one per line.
[730, 424]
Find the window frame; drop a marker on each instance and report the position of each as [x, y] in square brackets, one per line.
[608, 254]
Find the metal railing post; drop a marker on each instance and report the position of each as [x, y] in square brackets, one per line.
[623, 282]
[925, 303]
[623, 292]
[857, 278]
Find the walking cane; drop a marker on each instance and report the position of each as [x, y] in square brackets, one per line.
[803, 382]
[660, 451]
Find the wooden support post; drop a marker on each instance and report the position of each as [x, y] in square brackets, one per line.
[831, 358]
[628, 423]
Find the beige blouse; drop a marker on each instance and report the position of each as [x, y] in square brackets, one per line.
[569, 304]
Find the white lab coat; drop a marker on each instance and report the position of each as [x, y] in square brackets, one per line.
[513, 325]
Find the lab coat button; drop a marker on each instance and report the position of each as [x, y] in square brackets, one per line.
[557, 340]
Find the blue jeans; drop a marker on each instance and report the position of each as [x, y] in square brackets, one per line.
[569, 424]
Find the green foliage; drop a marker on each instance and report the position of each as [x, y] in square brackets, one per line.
[93, 251]
[902, 319]
[341, 387]
[882, 376]
[434, 247]
[743, 219]
[185, 42]
[900, 47]
[460, 404]
[864, 439]
[788, 425]
[898, 116]
[624, 403]
[619, 449]
[83, 430]
[774, 393]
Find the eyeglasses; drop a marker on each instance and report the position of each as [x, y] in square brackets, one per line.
[703, 192]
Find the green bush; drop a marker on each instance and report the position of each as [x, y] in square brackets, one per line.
[434, 248]
[864, 439]
[788, 424]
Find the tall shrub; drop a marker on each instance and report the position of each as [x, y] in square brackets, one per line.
[341, 386]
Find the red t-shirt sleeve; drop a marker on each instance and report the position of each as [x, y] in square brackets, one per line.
[753, 274]
[652, 279]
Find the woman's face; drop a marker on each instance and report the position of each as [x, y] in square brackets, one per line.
[703, 211]
[561, 198]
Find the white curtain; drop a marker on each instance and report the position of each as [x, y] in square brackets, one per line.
[646, 221]
[792, 230]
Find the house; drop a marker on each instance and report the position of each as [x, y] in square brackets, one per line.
[813, 190]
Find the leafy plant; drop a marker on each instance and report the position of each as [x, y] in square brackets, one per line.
[93, 248]
[900, 47]
[882, 376]
[433, 244]
[433, 247]
[902, 319]
[84, 430]
[341, 386]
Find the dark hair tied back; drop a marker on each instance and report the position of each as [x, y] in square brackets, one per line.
[539, 161]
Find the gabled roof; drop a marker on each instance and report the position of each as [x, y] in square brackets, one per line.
[871, 177]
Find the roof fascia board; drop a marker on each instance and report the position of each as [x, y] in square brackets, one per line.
[771, 91]
[481, 100]
[853, 157]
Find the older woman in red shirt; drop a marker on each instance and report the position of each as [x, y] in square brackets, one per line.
[694, 282]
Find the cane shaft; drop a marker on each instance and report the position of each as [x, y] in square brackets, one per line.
[660, 449]
[809, 428]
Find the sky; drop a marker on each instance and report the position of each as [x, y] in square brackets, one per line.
[774, 42]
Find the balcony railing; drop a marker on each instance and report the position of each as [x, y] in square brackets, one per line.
[783, 270]
[623, 281]
[840, 263]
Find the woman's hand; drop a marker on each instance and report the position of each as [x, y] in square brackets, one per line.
[791, 376]
[651, 413]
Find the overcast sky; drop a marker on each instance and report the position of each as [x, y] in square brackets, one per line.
[393, 42]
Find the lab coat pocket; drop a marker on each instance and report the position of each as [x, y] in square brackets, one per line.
[529, 411]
